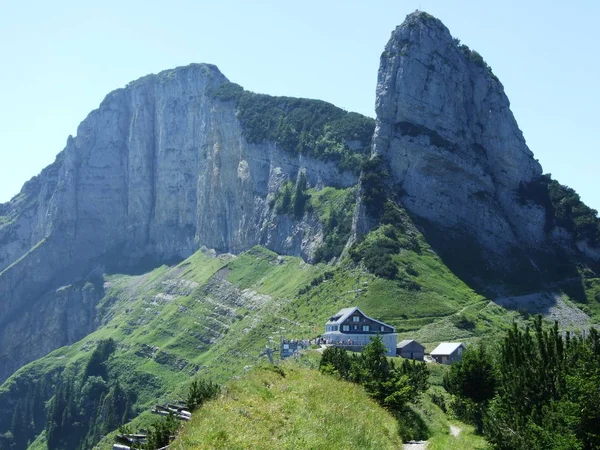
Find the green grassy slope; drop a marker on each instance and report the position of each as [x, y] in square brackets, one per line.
[297, 408]
[294, 406]
[213, 315]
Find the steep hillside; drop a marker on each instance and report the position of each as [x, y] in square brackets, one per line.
[213, 315]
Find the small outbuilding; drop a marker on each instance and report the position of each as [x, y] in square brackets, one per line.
[448, 352]
[411, 349]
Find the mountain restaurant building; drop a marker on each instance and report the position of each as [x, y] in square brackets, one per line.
[353, 329]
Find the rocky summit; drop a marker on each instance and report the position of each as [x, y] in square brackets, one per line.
[445, 126]
[456, 155]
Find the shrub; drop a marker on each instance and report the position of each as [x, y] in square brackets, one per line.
[161, 433]
[373, 179]
[376, 253]
[391, 386]
[96, 365]
[200, 392]
[473, 381]
[300, 196]
[335, 360]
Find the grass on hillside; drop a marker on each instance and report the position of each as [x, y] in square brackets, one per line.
[212, 316]
[289, 407]
[294, 406]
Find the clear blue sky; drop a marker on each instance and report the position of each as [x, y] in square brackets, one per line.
[60, 58]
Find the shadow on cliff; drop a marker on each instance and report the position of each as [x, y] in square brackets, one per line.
[520, 272]
[119, 261]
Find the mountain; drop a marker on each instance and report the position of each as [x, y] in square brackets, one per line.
[163, 167]
[454, 148]
[458, 162]
[190, 220]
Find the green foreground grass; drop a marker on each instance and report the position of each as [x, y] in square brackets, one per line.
[290, 409]
[294, 406]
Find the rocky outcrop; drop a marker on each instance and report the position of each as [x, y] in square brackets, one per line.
[454, 148]
[160, 169]
[55, 319]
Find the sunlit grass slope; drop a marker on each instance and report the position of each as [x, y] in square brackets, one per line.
[290, 407]
[211, 316]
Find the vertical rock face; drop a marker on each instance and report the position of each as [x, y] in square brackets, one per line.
[59, 318]
[160, 169]
[446, 129]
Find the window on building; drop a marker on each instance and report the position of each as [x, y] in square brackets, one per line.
[356, 327]
[286, 346]
[345, 327]
[382, 328]
[335, 328]
[355, 319]
[365, 327]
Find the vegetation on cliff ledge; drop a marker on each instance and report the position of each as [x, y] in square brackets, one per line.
[564, 208]
[302, 126]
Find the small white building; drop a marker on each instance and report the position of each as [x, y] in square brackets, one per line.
[353, 329]
[448, 352]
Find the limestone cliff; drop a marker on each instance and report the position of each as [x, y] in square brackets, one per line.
[160, 169]
[457, 157]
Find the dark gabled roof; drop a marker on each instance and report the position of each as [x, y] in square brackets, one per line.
[405, 342]
[344, 313]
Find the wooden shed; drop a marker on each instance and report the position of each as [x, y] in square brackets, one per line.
[411, 349]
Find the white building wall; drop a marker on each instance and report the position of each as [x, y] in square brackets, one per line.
[348, 339]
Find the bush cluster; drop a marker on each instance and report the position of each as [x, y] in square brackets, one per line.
[542, 391]
[84, 409]
[393, 387]
[377, 251]
[376, 255]
[200, 392]
[336, 230]
[292, 198]
[373, 179]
